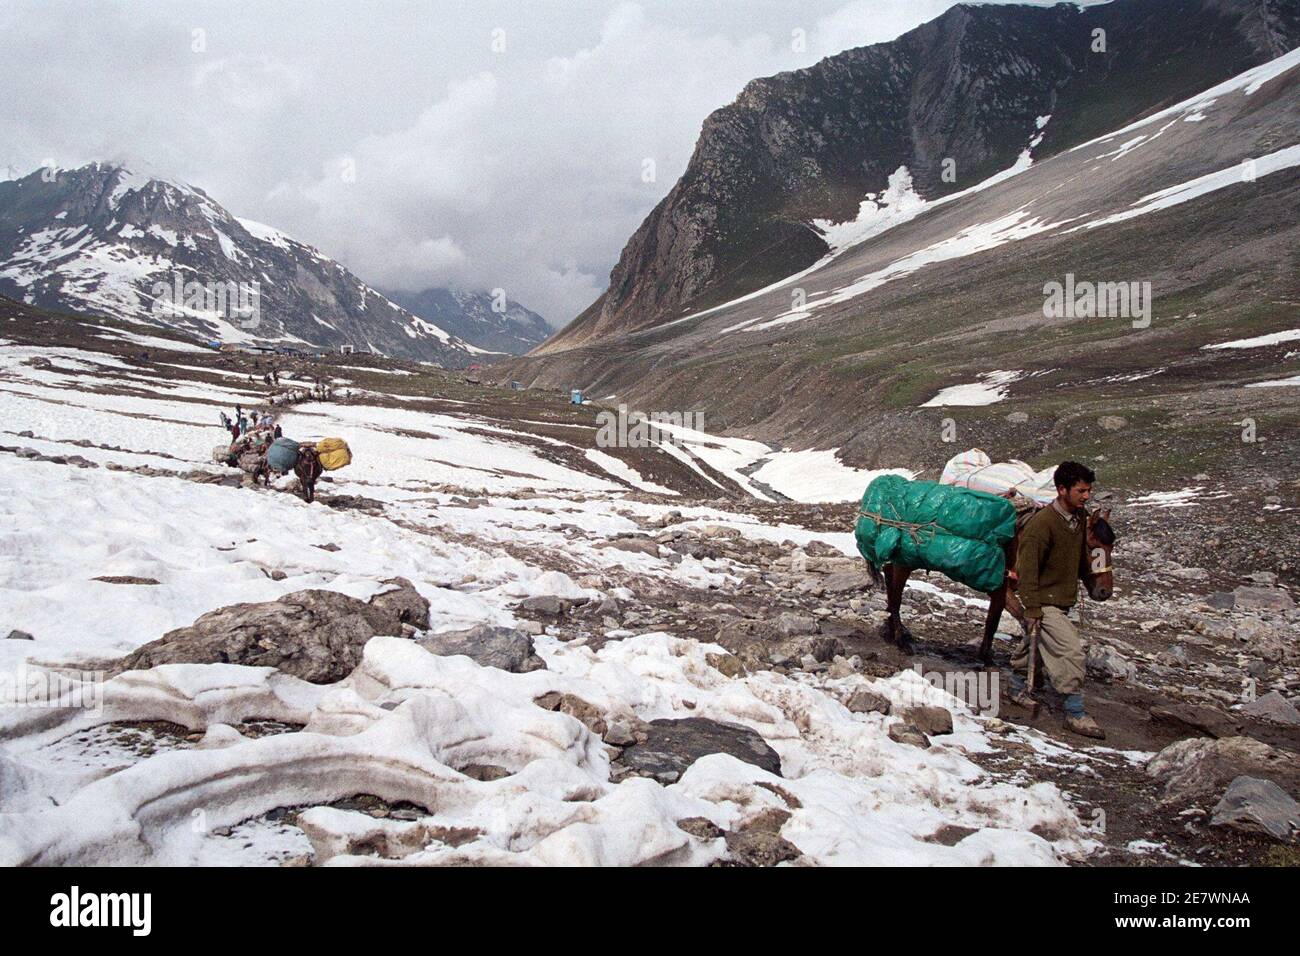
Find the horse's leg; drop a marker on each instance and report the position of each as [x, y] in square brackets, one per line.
[888, 632]
[997, 601]
[893, 630]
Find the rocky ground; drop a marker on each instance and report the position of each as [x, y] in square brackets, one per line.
[1181, 655]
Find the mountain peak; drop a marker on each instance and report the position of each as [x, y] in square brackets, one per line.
[113, 239]
[955, 101]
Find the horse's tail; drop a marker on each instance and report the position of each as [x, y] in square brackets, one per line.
[873, 573]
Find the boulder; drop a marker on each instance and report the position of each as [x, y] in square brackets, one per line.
[547, 605]
[1251, 630]
[314, 635]
[635, 545]
[932, 721]
[790, 624]
[671, 746]
[505, 648]
[1222, 600]
[1202, 718]
[727, 664]
[700, 827]
[1200, 768]
[863, 700]
[844, 581]
[1257, 806]
[404, 602]
[758, 842]
[1262, 599]
[905, 733]
[1274, 707]
[1105, 663]
[587, 714]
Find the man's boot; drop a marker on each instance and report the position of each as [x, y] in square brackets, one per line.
[1019, 695]
[1078, 721]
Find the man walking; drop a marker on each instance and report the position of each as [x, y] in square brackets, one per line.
[1051, 558]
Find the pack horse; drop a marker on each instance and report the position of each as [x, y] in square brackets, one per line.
[920, 539]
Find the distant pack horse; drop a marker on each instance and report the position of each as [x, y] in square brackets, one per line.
[1100, 582]
[308, 469]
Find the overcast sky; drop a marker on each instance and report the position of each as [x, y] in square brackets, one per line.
[477, 144]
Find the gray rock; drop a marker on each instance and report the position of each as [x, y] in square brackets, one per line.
[1218, 630]
[1018, 418]
[932, 721]
[17, 635]
[844, 581]
[547, 605]
[863, 700]
[1273, 706]
[635, 545]
[1223, 600]
[505, 648]
[1200, 768]
[1105, 663]
[905, 733]
[701, 827]
[1256, 806]
[1112, 423]
[1252, 630]
[315, 635]
[576, 707]
[671, 746]
[1202, 718]
[791, 624]
[759, 842]
[1263, 599]
[728, 664]
[620, 734]
[403, 602]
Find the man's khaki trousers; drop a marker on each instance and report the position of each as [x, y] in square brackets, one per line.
[1060, 651]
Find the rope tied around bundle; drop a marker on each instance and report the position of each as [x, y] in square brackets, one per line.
[914, 529]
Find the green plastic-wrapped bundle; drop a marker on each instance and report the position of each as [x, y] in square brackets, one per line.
[922, 524]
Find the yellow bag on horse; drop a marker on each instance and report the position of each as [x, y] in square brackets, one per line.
[333, 453]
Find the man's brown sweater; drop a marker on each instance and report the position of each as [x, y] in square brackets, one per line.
[1050, 559]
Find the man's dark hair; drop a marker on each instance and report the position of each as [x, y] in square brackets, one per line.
[1069, 472]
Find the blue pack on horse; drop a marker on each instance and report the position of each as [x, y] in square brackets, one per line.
[287, 455]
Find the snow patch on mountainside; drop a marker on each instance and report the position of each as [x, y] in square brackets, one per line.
[897, 204]
[992, 388]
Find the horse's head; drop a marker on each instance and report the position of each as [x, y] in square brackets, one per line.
[1101, 541]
